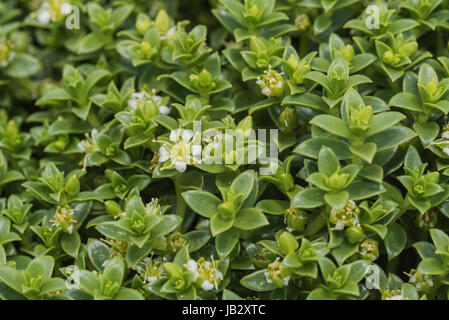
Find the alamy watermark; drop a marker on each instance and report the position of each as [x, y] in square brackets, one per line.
[213, 146]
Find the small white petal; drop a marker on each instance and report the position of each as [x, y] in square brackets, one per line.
[445, 135]
[280, 85]
[181, 166]
[66, 8]
[44, 17]
[151, 280]
[138, 95]
[266, 92]
[70, 229]
[164, 110]
[259, 82]
[173, 135]
[163, 154]
[206, 285]
[218, 275]
[192, 266]
[187, 134]
[132, 104]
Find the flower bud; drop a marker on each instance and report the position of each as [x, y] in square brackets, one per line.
[369, 249]
[143, 23]
[175, 241]
[288, 119]
[360, 118]
[338, 75]
[426, 220]
[346, 52]
[146, 49]
[226, 210]
[295, 219]
[408, 49]
[337, 180]
[112, 208]
[162, 21]
[354, 234]
[287, 242]
[61, 143]
[72, 186]
[302, 22]
[278, 274]
[286, 182]
[272, 84]
[263, 259]
[344, 217]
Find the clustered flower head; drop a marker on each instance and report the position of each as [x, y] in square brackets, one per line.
[64, 218]
[271, 83]
[205, 273]
[53, 11]
[143, 99]
[179, 151]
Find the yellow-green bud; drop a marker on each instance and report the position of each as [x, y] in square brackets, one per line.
[296, 219]
[409, 48]
[112, 208]
[162, 21]
[287, 242]
[286, 182]
[143, 23]
[354, 234]
[346, 52]
[337, 180]
[146, 49]
[73, 185]
[288, 119]
[302, 22]
[226, 210]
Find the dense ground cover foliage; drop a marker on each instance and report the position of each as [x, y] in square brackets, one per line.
[115, 182]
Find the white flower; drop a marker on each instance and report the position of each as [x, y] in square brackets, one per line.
[164, 110]
[266, 91]
[192, 266]
[187, 134]
[44, 16]
[267, 277]
[179, 150]
[70, 229]
[151, 279]
[132, 103]
[286, 280]
[66, 8]
[280, 85]
[218, 275]
[180, 166]
[259, 82]
[139, 95]
[163, 154]
[445, 135]
[206, 285]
